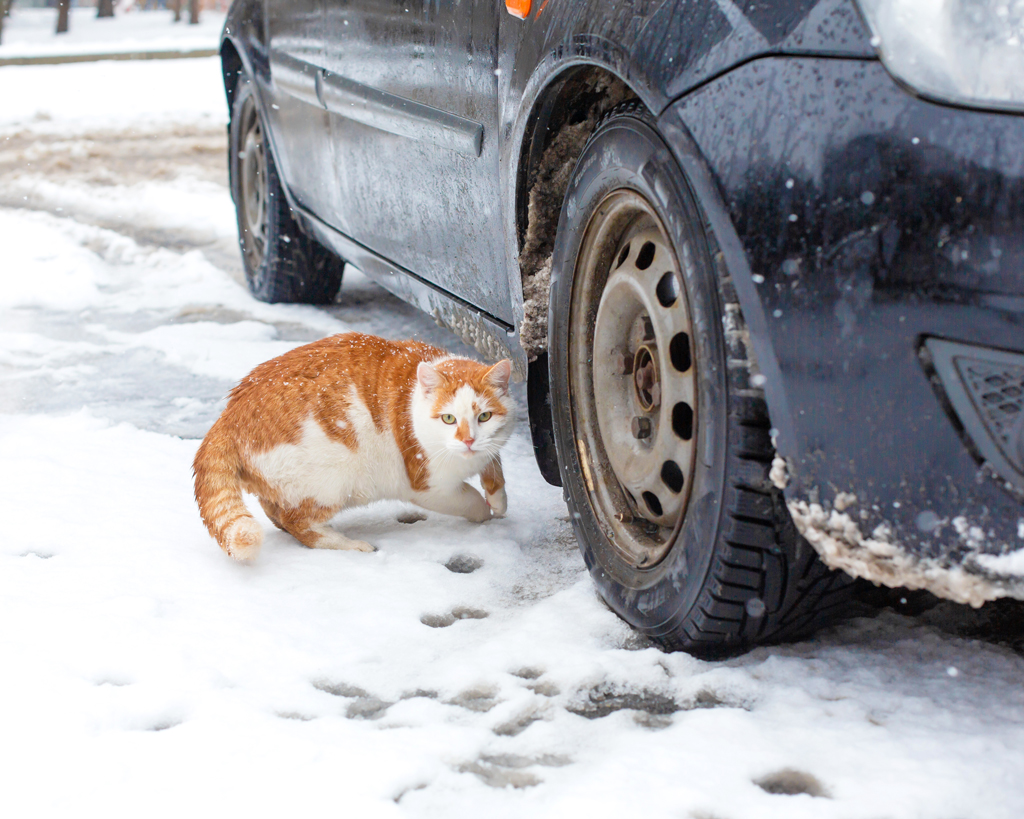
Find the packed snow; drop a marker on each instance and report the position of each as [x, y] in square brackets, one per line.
[142, 94]
[462, 670]
[30, 32]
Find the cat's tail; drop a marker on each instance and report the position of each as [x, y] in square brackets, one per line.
[217, 470]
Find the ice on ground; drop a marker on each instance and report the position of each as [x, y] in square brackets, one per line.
[63, 264]
[88, 310]
[46, 268]
[189, 210]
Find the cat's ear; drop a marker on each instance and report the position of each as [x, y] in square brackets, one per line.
[429, 378]
[499, 375]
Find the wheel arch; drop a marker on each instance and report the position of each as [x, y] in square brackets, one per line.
[243, 51]
[577, 94]
[659, 62]
[231, 66]
[243, 44]
[736, 266]
[563, 111]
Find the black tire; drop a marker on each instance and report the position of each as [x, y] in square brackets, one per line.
[282, 263]
[727, 570]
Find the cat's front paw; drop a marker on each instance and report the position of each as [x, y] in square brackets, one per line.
[498, 503]
[338, 542]
[475, 509]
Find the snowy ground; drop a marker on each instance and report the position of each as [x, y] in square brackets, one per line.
[31, 32]
[460, 671]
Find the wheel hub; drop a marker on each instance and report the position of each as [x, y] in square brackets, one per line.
[640, 417]
[645, 377]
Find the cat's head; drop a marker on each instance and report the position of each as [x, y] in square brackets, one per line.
[462, 407]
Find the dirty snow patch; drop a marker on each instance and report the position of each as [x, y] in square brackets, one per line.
[878, 558]
[779, 474]
[1008, 564]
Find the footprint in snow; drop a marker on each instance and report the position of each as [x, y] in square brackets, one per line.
[791, 782]
[458, 613]
[463, 564]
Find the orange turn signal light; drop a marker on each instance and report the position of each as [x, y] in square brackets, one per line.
[518, 8]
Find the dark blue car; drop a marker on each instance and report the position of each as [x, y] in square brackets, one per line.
[760, 263]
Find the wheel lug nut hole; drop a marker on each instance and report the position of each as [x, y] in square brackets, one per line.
[646, 328]
[645, 256]
[653, 503]
[667, 290]
[682, 420]
[672, 476]
[679, 352]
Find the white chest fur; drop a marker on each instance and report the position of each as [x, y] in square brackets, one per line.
[334, 474]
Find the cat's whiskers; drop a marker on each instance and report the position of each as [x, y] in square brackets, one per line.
[516, 446]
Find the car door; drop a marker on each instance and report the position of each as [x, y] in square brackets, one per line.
[298, 121]
[412, 90]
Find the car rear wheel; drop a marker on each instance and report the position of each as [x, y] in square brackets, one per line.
[282, 263]
[663, 438]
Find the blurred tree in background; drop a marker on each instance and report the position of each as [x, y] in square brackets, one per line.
[63, 7]
[5, 9]
[194, 7]
[105, 8]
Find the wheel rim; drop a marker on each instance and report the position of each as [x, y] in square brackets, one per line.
[252, 174]
[633, 376]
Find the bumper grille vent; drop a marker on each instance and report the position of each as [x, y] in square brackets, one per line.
[986, 390]
[997, 391]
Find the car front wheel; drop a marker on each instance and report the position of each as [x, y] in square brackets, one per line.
[663, 437]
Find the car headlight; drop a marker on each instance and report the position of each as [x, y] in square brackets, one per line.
[964, 51]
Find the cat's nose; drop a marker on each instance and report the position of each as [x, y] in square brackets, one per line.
[468, 442]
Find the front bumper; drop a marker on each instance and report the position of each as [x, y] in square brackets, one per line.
[868, 222]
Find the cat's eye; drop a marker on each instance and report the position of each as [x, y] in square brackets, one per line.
[448, 418]
[484, 416]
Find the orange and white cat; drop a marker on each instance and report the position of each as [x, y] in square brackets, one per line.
[346, 421]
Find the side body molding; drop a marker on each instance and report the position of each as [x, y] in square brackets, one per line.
[295, 77]
[398, 115]
[370, 106]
